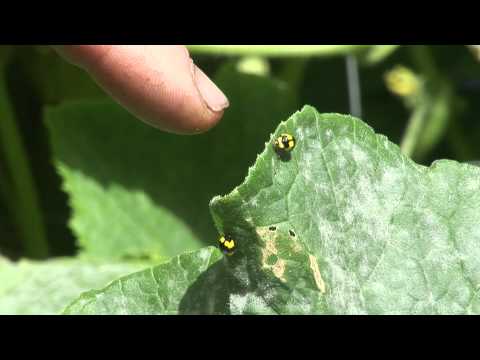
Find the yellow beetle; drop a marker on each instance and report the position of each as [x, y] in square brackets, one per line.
[285, 142]
[227, 244]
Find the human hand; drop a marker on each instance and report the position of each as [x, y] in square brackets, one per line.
[159, 84]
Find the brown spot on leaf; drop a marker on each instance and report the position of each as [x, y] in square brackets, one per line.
[316, 273]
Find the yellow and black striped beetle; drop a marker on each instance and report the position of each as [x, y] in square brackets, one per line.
[285, 142]
[227, 244]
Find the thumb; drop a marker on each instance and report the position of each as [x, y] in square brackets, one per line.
[159, 84]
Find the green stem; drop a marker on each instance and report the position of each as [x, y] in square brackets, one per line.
[277, 50]
[5, 188]
[414, 130]
[439, 116]
[456, 140]
[293, 72]
[424, 60]
[379, 53]
[432, 113]
[25, 209]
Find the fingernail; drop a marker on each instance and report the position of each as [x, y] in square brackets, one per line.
[210, 93]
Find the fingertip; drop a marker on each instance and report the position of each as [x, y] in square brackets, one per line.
[199, 108]
[84, 56]
[213, 97]
[197, 120]
[202, 125]
[158, 84]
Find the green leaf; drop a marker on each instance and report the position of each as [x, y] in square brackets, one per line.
[29, 287]
[383, 234]
[344, 225]
[136, 191]
[159, 290]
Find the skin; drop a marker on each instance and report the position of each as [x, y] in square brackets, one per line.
[159, 84]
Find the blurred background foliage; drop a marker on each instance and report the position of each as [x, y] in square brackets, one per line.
[424, 98]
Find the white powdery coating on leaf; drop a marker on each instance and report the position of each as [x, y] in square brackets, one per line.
[238, 303]
[359, 155]
[471, 184]
[328, 135]
[392, 236]
[248, 304]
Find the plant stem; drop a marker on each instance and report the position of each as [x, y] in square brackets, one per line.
[423, 58]
[277, 50]
[25, 209]
[379, 53]
[293, 72]
[414, 130]
[5, 188]
[439, 115]
[456, 139]
[353, 83]
[432, 113]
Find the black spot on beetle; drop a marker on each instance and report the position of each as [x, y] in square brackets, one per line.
[272, 228]
[284, 156]
[292, 233]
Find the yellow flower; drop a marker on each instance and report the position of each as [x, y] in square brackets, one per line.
[402, 81]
